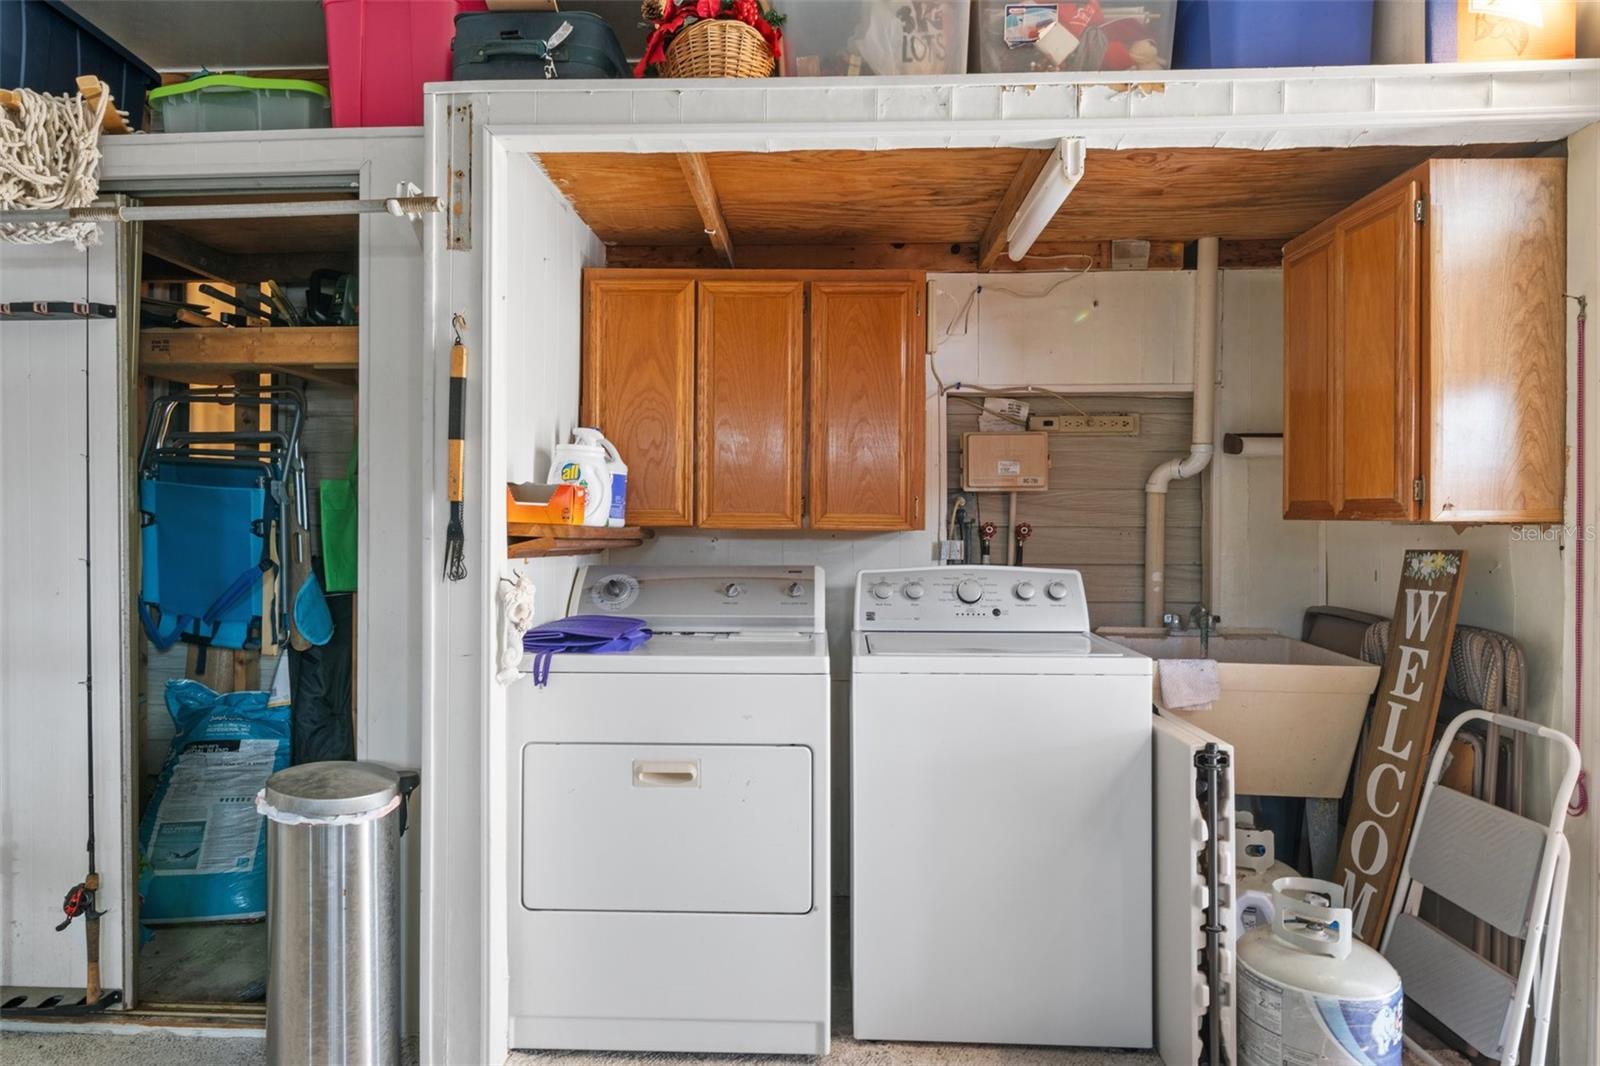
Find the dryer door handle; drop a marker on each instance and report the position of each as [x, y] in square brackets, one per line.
[649, 773]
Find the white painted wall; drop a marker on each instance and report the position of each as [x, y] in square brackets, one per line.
[1263, 571]
[1074, 331]
[1579, 1002]
[46, 423]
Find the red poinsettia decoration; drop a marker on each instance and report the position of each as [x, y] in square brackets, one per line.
[676, 14]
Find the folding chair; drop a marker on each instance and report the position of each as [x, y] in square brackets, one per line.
[1506, 869]
[210, 504]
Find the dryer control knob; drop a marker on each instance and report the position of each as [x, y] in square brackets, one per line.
[1056, 590]
[969, 591]
[732, 590]
[1024, 590]
[614, 589]
[913, 591]
[797, 589]
[883, 590]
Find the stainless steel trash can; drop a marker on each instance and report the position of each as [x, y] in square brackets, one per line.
[333, 912]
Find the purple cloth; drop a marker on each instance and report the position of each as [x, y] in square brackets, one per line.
[581, 633]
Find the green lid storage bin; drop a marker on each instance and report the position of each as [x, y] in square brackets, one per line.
[217, 102]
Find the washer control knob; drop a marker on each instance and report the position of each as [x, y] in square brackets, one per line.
[969, 591]
[914, 590]
[796, 590]
[1024, 590]
[883, 590]
[1056, 590]
[733, 590]
[614, 589]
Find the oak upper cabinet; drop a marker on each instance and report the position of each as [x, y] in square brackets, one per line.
[760, 399]
[1425, 352]
[866, 405]
[751, 404]
[638, 387]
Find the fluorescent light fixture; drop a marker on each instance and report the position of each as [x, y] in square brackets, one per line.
[1061, 172]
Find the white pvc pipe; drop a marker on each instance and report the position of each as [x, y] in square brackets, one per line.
[1260, 447]
[1201, 437]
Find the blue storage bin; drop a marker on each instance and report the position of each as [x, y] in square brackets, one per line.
[45, 45]
[1217, 34]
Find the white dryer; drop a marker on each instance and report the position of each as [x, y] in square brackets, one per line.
[671, 881]
[1000, 813]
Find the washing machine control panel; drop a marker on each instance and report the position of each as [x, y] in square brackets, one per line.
[972, 598]
[694, 599]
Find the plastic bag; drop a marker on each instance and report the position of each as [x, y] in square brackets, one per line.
[203, 844]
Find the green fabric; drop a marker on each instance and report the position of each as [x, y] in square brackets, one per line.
[235, 82]
[338, 505]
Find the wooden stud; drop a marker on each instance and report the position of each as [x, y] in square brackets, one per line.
[1247, 255]
[698, 175]
[993, 241]
[285, 350]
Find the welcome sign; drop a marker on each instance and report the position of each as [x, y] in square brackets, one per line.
[1399, 742]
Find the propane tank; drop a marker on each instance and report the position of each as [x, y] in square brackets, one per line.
[1309, 992]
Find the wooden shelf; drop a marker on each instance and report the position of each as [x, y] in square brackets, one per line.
[532, 540]
[319, 353]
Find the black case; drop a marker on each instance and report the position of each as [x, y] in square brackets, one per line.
[514, 44]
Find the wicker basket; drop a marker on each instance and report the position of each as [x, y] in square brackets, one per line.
[718, 48]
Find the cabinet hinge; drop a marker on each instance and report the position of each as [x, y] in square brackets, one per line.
[1417, 489]
[1417, 210]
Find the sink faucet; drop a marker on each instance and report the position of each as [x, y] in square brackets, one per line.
[1200, 618]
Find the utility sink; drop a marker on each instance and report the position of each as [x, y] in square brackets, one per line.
[1291, 710]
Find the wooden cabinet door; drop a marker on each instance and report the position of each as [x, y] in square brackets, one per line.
[1308, 346]
[1375, 379]
[638, 388]
[866, 405]
[751, 404]
[1494, 359]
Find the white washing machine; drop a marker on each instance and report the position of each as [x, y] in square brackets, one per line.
[671, 881]
[1000, 813]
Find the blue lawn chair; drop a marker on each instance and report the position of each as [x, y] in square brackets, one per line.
[211, 505]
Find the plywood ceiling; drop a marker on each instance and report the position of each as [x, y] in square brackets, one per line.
[949, 196]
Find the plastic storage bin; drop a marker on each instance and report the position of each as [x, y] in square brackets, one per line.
[845, 37]
[44, 46]
[233, 102]
[1042, 38]
[1273, 33]
[382, 52]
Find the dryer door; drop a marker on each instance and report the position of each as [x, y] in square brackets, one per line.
[698, 828]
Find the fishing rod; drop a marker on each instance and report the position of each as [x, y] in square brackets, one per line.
[80, 898]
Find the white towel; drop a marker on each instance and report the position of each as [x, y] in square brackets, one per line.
[1189, 684]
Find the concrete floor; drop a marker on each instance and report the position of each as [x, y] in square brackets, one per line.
[157, 1049]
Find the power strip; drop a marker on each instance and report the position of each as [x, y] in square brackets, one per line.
[1087, 425]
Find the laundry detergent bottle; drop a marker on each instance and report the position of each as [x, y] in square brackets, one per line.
[584, 463]
[617, 509]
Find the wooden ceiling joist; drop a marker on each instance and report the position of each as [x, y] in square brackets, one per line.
[993, 242]
[704, 191]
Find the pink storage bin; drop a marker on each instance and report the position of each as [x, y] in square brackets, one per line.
[381, 53]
